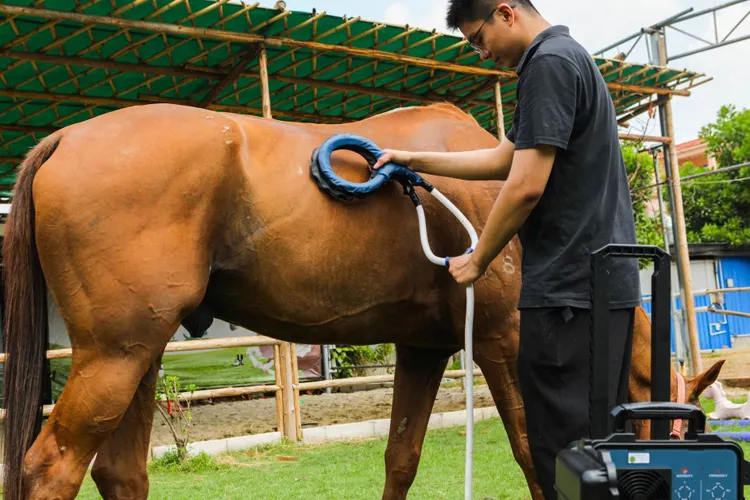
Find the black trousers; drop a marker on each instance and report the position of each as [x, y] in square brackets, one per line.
[553, 369]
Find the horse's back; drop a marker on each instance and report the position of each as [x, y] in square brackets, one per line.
[234, 193]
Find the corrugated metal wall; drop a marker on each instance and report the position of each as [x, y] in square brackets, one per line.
[715, 331]
[734, 272]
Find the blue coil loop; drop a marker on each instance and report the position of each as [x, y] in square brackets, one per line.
[341, 189]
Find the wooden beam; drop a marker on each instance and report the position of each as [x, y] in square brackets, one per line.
[427, 97]
[499, 111]
[27, 128]
[294, 115]
[646, 138]
[146, 99]
[641, 109]
[264, 83]
[641, 89]
[250, 53]
[105, 64]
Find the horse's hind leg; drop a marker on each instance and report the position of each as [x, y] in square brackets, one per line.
[418, 376]
[120, 315]
[497, 357]
[120, 467]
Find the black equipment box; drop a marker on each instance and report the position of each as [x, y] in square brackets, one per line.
[612, 464]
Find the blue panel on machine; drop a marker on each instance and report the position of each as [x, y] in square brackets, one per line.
[696, 474]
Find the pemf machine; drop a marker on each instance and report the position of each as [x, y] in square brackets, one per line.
[611, 463]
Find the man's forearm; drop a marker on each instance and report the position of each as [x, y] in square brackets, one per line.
[480, 164]
[510, 211]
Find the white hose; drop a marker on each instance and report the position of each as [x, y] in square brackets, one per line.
[468, 331]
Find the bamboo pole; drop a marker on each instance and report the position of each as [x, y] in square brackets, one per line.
[227, 392]
[646, 138]
[728, 313]
[279, 400]
[681, 240]
[287, 389]
[499, 111]
[27, 128]
[197, 395]
[643, 89]
[265, 85]
[250, 53]
[709, 291]
[377, 379]
[145, 99]
[193, 345]
[295, 384]
[108, 64]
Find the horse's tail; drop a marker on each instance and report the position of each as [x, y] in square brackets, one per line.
[26, 331]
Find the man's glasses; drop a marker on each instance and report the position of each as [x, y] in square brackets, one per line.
[473, 38]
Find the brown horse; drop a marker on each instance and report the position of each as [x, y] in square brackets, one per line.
[147, 217]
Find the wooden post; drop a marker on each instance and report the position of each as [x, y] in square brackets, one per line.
[280, 393]
[499, 106]
[295, 381]
[265, 87]
[287, 384]
[681, 243]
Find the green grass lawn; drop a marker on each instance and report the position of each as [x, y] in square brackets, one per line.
[351, 470]
[213, 369]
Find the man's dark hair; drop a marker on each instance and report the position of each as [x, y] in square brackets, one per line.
[461, 11]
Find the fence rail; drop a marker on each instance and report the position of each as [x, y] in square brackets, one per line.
[698, 293]
[286, 385]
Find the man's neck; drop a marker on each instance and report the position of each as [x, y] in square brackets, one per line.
[533, 26]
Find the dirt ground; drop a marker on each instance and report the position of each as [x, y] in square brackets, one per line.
[243, 417]
[239, 418]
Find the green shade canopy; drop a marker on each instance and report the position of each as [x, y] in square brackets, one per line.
[64, 61]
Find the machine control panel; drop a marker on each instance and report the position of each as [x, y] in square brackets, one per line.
[701, 473]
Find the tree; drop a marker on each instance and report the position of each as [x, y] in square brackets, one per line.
[640, 171]
[717, 207]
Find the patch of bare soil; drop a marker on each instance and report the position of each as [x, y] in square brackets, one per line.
[239, 418]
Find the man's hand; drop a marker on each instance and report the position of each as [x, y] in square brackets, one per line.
[402, 158]
[466, 269]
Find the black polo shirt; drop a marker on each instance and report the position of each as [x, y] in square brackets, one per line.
[563, 101]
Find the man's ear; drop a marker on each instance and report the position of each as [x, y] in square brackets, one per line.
[696, 385]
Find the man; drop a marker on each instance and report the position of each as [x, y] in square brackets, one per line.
[566, 194]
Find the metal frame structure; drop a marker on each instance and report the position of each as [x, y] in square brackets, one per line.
[679, 18]
[655, 37]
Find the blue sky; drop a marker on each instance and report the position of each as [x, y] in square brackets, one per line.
[605, 22]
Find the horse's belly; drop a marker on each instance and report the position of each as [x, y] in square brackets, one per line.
[333, 312]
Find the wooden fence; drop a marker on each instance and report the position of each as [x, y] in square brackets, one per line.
[286, 386]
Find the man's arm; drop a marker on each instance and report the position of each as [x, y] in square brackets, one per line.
[480, 164]
[520, 194]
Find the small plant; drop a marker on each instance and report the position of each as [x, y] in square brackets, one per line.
[178, 418]
[347, 357]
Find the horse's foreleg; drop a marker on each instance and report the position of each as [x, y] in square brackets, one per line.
[497, 358]
[120, 467]
[418, 376]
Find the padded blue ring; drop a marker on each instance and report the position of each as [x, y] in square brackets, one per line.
[372, 153]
